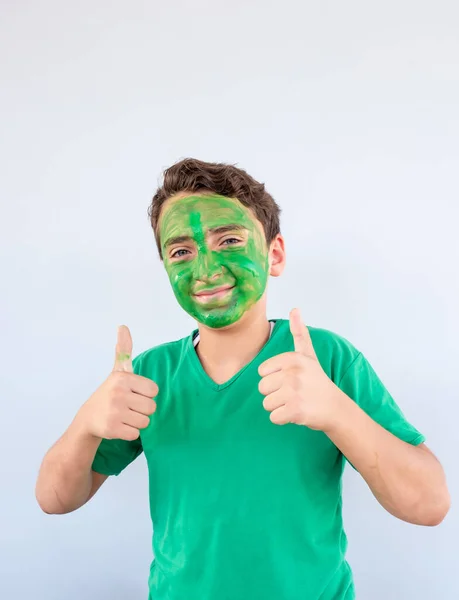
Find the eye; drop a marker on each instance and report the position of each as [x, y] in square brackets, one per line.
[231, 241]
[179, 253]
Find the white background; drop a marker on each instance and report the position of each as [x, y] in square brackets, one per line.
[348, 111]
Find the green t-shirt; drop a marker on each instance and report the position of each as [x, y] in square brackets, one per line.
[242, 508]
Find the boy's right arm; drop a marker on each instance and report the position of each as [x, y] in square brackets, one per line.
[65, 480]
[118, 409]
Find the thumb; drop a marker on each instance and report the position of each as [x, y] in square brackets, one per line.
[301, 338]
[123, 353]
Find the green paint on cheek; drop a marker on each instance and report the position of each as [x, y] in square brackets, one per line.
[212, 264]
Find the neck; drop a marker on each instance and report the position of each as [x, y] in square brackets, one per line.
[224, 352]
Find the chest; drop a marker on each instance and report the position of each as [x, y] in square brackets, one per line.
[202, 435]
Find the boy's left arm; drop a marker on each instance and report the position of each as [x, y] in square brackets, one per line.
[407, 480]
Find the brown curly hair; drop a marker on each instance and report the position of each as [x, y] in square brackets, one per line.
[196, 176]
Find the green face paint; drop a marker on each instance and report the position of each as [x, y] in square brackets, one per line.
[216, 257]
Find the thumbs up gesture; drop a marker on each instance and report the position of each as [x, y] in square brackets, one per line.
[123, 404]
[295, 387]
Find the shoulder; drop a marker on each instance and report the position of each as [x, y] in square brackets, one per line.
[335, 353]
[159, 358]
[331, 342]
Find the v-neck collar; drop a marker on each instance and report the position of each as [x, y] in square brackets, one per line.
[205, 378]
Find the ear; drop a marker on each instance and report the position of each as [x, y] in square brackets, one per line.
[277, 256]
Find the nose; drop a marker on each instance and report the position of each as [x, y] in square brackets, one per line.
[207, 266]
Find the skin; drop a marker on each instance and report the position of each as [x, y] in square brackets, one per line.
[212, 243]
[118, 409]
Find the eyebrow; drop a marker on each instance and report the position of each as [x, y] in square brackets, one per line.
[177, 240]
[226, 228]
[181, 239]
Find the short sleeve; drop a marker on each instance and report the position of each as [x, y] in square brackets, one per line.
[362, 384]
[113, 456]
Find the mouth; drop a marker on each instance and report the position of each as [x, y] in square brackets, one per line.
[204, 296]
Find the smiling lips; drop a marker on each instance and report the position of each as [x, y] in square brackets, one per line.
[208, 295]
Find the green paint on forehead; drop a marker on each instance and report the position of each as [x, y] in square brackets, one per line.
[197, 230]
[208, 262]
[188, 213]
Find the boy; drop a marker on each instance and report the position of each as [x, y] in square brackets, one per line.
[246, 423]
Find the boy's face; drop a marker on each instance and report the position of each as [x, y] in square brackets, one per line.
[215, 255]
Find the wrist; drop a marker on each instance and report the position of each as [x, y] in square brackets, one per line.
[340, 406]
[81, 430]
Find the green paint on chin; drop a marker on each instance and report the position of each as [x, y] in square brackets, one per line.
[213, 264]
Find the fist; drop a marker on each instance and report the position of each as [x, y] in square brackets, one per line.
[123, 404]
[295, 387]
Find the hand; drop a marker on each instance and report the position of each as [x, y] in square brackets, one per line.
[295, 387]
[123, 404]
